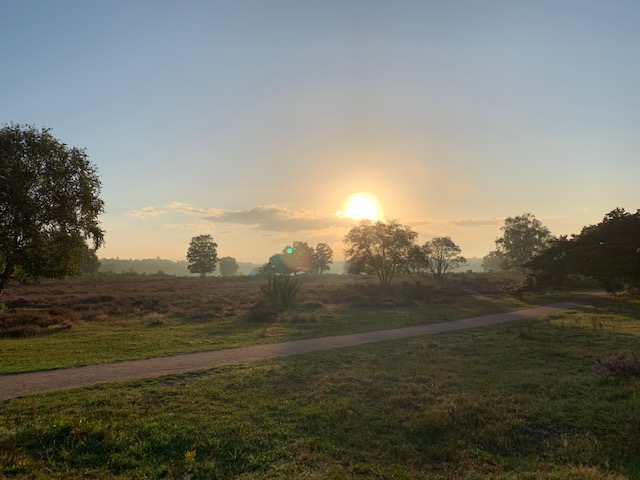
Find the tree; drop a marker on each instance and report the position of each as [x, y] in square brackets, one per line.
[441, 255]
[322, 258]
[492, 262]
[298, 257]
[383, 249]
[49, 205]
[90, 262]
[523, 237]
[608, 252]
[202, 255]
[228, 266]
[277, 265]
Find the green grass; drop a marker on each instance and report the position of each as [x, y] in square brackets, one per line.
[144, 336]
[518, 400]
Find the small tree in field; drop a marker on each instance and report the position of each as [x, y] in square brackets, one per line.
[202, 255]
[379, 248]
[441, 255]
[228, 266]
[322, 259]
[49, 206]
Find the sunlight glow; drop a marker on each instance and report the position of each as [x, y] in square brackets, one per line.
[360, 206]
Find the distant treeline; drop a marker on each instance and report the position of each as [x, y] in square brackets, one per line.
[155, 266]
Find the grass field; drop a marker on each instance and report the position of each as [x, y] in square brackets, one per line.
[519, 400]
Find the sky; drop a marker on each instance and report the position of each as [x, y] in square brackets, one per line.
[253, 121]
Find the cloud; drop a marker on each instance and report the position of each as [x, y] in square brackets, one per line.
[200, 227]
[267, 218]
[185, 208]
[476, 222]
[275, 218]
[145, 212]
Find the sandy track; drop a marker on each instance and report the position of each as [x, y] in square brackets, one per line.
[16, 385]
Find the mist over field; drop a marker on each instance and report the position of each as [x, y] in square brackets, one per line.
[152, 266]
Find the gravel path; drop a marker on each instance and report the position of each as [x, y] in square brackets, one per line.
[17, 385]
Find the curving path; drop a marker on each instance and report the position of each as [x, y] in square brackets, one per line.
[17, 385]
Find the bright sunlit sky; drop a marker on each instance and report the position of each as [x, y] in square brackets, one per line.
[253, 121]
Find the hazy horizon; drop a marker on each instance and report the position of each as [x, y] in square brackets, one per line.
[254, 121]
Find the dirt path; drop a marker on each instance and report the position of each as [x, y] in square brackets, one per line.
[17, 385]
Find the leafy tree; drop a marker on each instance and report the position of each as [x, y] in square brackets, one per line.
[492, 262]
[608, 252]
[295, 258]
[322, 258]
[441, 255]
[228, 266]
[383, 249]
[277, 265]
[202, 255]
[90, 263]
[49, 205]
[523, 237]
[298, 257]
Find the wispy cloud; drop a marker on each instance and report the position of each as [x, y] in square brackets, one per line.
[275, 218]
[199, 227]
[267, 218]
[476, 222]
[145, 212]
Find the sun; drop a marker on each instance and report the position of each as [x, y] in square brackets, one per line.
[362, 206]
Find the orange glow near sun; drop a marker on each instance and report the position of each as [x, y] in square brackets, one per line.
[361, 206]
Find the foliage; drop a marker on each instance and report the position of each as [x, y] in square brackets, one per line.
[322, 259]
[277, 265]
[29, 323]
[608, 252]
[492, 262]
[523, 237]
[202, 255]
[383, 249]
[228, 266]
[90, 263]
[623, 364]
[439, 256]
[49, 205]
[282, 292]
[299, 257]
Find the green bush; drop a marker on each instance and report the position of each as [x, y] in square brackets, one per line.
[282, 292]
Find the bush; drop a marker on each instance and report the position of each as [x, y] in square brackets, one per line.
[282, 292]
[622, 363]
[16, 324]
[261, 313]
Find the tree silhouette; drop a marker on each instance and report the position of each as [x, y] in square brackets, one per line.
[440, 256]
[383, 249]
[49, 206]
[202, 255]
[228, 266]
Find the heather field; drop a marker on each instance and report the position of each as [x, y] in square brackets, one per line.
[554, 397]
[115, 317]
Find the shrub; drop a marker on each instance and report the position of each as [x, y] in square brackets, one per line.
[262, 314]
[282, 292]
[622, 363]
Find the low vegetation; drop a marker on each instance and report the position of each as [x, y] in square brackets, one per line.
[117, 317]
[528, 399]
